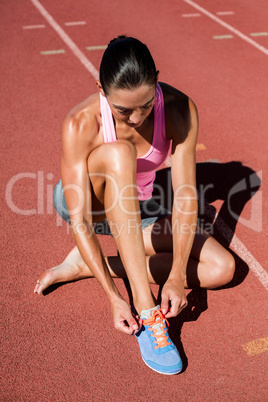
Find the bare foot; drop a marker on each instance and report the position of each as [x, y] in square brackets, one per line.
[71, 269]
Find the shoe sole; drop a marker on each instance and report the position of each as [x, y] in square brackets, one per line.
[160, 372]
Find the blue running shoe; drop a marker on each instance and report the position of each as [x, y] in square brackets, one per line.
[157, 349]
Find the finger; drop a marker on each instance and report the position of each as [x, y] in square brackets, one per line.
[133, 323]
[174, 309]
[140, 324]
[124, 327]
[164, 303]
[127, 330]
[184, 304]
[139, 321]
[171, 314]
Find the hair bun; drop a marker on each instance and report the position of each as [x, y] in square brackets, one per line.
[119, 37]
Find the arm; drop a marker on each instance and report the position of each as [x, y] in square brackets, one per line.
[76, 147]
[184, 214]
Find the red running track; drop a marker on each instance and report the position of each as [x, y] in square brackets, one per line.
[62, 347]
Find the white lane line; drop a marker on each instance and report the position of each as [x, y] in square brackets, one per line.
[100, 47]
[191, 15]
[222, 36]
[33, 26]
[67, 40]
[227, 26]
[74, 23]
[48, 52]
[240, 249]
[225, 13]
[259, 34]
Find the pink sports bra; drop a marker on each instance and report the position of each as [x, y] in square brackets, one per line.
[157, 154]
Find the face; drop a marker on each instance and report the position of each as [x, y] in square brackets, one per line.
[132, 106]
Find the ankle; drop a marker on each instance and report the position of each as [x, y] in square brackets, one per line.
[141, 305]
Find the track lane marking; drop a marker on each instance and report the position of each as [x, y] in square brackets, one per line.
[34, 26]
[74, 23]
[98, 47]
[240, 249]
[225, 13]
[259, 34]
[223, 37]
[228, 26]
[256, 347]
[191, 15]
[67, 40]
[48, 52]
[200, 147]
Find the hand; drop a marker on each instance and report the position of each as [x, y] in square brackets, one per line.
[123, 318]
[173, 298]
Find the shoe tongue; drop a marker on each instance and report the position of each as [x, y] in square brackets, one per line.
[145, 314]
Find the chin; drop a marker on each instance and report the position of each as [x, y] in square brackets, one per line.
[135, 125]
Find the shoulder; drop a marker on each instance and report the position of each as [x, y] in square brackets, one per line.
[181, 113]
[81, 126]
[82, 116]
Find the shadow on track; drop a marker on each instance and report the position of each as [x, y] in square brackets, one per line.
[233, 184]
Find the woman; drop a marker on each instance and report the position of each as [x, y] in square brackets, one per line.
[112, 144]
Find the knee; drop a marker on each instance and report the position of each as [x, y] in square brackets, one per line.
[224, 269]
[122, 156]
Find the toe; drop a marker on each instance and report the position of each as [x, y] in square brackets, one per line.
[38, 287]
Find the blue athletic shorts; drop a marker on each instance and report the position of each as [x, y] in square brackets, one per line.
[151, 212]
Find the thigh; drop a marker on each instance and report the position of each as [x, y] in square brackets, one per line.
[158, 239]
[158, 236]
[106, 166]
[98, 164]
[97, 169]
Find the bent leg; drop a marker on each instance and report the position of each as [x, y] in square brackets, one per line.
[119, 195]
[210, 265]
[112, 171]
[74, 268]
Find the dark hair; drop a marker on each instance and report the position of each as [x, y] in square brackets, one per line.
[126, 64]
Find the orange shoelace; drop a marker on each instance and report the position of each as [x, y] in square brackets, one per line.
[156, 323]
